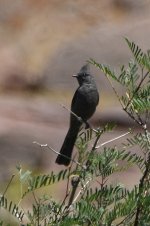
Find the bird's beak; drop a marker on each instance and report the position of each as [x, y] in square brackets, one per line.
[75, 76]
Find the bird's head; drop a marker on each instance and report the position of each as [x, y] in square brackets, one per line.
[84, 75]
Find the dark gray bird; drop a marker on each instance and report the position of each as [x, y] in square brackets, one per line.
[83, 105]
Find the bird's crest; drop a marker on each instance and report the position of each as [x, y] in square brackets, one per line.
[85, 69]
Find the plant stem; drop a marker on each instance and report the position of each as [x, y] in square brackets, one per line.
[142, 181]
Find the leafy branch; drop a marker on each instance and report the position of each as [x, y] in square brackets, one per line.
[90, 198]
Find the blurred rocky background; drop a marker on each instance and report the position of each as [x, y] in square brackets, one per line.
[43, 43]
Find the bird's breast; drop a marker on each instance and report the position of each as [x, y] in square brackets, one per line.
[85, 101]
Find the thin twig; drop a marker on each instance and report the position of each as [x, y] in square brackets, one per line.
[142, 80]
[81, 190]
[117, 95]
[75, 182]
[88, 163]
[12, 177]
[124, 107]
[137, 89]
[56, 152]
[79, 118]
[125, 219]
[116, 138]
[87, 125]
[35, 198]
[132, 117]
[67, 193]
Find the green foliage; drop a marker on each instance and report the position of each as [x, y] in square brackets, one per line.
[11, 208]
[2, 223]
[143, 59]
[40, 181]
[90, 197]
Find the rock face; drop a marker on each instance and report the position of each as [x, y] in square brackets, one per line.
[44, 42]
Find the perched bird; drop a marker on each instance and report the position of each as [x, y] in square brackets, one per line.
[83, 104]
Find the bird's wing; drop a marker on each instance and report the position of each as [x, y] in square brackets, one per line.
[77, 101]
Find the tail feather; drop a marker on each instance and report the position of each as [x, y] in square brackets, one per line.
[66, 151]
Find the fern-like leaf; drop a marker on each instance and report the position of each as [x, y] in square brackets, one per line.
[107, 195]
[136, 51]
[142, 58]
[105, 69]
[123, 208]
[11, 208]
[139, 139]
[46, 180]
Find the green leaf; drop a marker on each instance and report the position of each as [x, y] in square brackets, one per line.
[136, 51]
[142, 58]
[105, 69]
[11, 208]
[46, 180]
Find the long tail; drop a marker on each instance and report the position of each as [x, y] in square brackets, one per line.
[67, 147]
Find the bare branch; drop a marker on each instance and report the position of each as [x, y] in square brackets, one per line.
[116, 138]
[79, 118]
[56, 152]
[87, 125]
